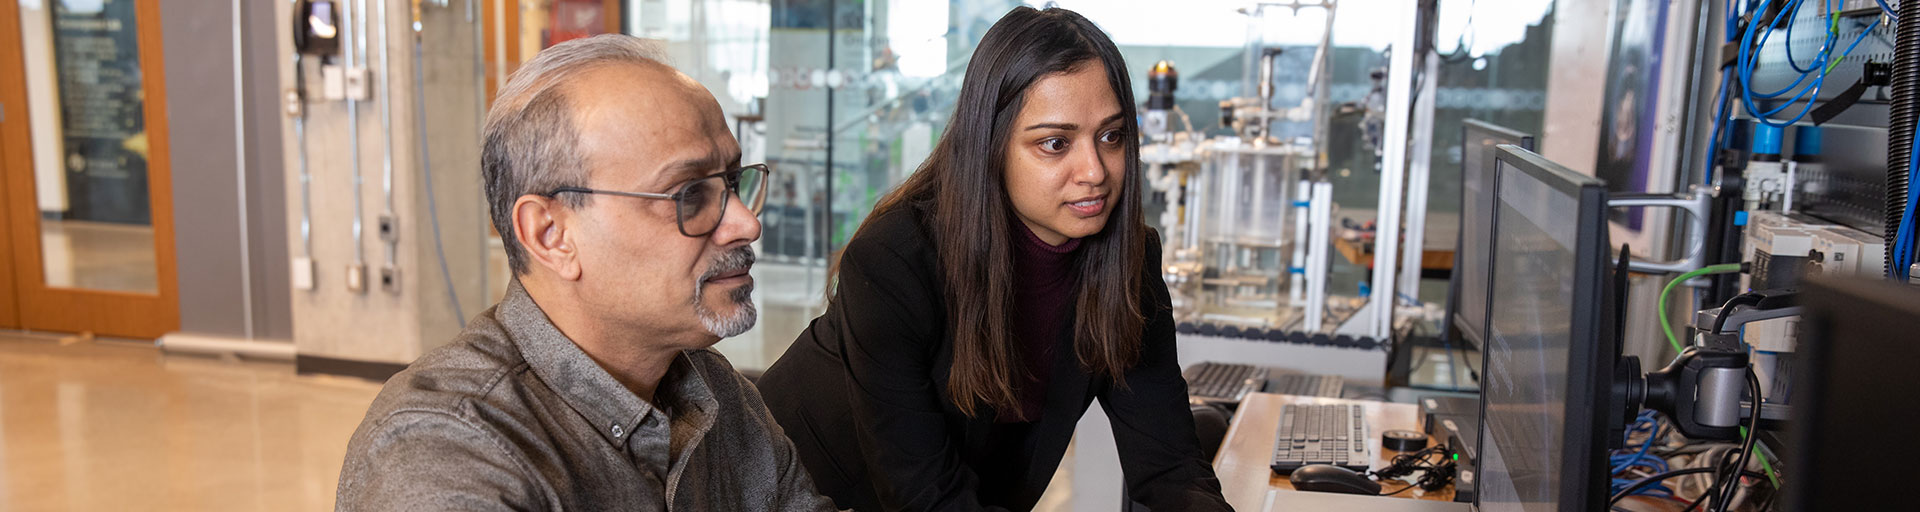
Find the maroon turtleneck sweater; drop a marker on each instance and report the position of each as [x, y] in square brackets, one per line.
[1044, 277]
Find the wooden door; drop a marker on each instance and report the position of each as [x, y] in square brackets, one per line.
[88, 200]
[9, 302]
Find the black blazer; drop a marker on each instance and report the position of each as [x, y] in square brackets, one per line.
[863, 395]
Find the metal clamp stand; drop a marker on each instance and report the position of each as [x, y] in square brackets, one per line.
[1699, 203]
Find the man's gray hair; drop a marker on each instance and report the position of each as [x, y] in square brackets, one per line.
[531, 145]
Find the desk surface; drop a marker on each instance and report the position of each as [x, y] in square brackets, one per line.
[1246, 453]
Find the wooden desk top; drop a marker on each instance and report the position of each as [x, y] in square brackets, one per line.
[1361, 254]
[1246, 453]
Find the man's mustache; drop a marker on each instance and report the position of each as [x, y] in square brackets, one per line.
[736, 260]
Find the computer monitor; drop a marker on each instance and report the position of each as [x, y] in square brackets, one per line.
[1468, 301]
[1547, 371]
[1856, 363]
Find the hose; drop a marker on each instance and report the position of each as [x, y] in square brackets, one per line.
[1667, 324]
[1900, 125]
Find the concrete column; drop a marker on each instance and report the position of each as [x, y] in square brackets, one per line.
[375, 332]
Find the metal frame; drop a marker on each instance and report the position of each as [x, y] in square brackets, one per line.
[1376, 318]
[1419, 170]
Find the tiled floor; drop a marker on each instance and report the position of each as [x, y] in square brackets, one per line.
[119, 426]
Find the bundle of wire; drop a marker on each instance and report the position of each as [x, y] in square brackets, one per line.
[1823, 61]
[1436, 463]
[1647, 464]
[1630, 465]
[1903, 240]
[1740, 79]
[1808, 93]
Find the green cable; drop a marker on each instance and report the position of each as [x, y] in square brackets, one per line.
[1771, 476]
[1667, 324]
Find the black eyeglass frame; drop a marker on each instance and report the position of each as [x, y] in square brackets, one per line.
[731, 185]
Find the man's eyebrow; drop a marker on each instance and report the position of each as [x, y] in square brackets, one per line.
[690, 168]
[1071, 126]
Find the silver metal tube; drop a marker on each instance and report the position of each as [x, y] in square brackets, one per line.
[240, 173]
[479, 119]
[356, 42]
[1323, 95]
[306, 183]
[1268, 59]
[391, 241]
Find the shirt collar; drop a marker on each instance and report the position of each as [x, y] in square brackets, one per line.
[588, 389]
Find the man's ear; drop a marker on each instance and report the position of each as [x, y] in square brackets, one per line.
[541, 225]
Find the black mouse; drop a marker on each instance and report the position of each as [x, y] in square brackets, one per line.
[1331, 478]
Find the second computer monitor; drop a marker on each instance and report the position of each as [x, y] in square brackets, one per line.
[1546, 373]
[1477, 142]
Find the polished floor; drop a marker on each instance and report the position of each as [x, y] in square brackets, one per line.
[105, 425]
[102, 425]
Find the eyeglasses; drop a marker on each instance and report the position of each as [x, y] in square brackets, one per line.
[699, 204]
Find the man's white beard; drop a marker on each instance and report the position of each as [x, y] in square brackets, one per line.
[728, 326]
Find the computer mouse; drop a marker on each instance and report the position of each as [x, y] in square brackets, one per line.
[1331, 478]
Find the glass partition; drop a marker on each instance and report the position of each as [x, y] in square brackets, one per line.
[845, 98]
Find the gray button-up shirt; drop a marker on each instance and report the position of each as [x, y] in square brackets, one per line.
[512, 415]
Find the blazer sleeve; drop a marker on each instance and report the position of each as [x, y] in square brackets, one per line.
[890, 317]
[1152, 424]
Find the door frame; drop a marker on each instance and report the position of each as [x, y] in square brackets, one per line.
[9, 302]
[111, 313]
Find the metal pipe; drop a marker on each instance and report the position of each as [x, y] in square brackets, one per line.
[1419, 172]
[1269, 57]
[480, 119]
[306, 177]
[389, 225]
[356, 43]
[240, 174]
[304, 265]
[826, 229]
[1323, 95]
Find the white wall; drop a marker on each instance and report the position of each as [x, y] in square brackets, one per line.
[1571, 135]
[43, 101]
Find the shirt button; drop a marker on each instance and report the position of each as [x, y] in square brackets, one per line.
[617, 431]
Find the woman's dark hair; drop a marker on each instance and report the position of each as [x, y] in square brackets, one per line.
[963, 185]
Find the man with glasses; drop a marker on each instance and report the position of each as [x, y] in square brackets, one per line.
[627, 218]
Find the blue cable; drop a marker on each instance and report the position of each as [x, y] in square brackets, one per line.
[1747, 60]
[1826, 46]
[1903, 240]
[1713, 144]
[1888, 9]
[1643, 457]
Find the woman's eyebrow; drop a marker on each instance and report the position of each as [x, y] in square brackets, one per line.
[1070, 126]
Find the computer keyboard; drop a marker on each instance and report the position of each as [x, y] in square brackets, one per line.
[1304, 384]
[1321, 434]
[1222, 382]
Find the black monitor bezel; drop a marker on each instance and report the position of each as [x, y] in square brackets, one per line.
[1475, 336]
[1583, 486]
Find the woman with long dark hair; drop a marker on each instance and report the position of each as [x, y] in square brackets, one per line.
[991, 298]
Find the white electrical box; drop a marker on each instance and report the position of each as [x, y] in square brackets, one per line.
[356, 84]
[1844, 251]
[333, 83]
[1778, 246]
[302, 273]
